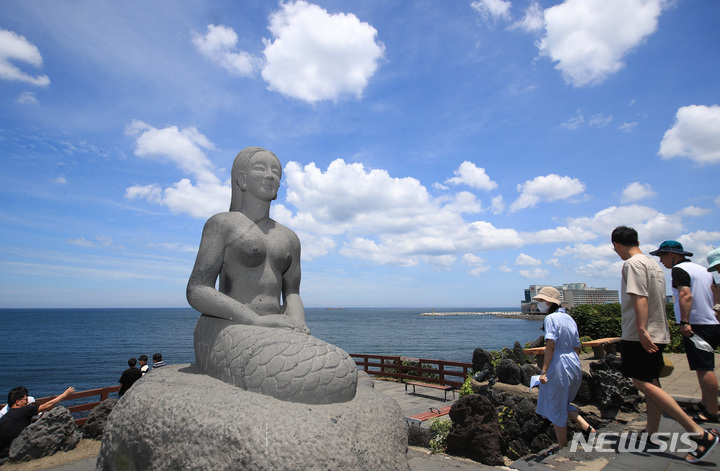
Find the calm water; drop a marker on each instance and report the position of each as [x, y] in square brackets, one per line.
[47, 350]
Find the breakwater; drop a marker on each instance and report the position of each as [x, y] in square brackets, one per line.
[496, 313]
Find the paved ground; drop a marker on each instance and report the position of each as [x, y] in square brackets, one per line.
[682, 385]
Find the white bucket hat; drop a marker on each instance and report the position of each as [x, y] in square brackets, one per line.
[548, 294]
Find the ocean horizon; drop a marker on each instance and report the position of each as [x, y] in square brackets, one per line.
[47, 350]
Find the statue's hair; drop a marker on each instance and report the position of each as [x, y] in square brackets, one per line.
[240, 165]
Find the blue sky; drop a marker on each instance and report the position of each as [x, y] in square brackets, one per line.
[435, 154]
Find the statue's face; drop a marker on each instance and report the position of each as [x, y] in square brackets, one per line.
[262, 176]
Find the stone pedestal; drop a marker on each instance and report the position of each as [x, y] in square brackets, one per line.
[178, 418]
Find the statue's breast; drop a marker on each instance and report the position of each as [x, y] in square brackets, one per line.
[249, 248]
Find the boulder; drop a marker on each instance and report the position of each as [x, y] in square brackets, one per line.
[95, 423]
[482, 360]
[508, 371]
[519, 354]
[54, 431]
[527, 371]
[198, 422]
[476, 432]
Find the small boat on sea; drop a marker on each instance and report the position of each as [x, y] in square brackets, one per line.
[334, 309]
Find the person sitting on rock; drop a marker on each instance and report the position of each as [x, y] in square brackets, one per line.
[20, 415]
[142, 361]
[128, 377]
[158, 361]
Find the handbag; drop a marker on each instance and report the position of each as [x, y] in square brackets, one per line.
[667, 367]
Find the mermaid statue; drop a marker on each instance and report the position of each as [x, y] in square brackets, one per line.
[252, 332]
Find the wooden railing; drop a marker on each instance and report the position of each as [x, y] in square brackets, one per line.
[102, 392]
[414, 369]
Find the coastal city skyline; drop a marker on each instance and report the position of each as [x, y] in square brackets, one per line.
[438, 154]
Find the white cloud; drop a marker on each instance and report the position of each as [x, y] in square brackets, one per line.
[695, 134]
[183, 148]
[505, 269]
[219, 45]
[318, 56]
[492, 9]
[61, 180]
[534, 274]
[693, 211]
[533, 20]
[637, 191]
[524, 260]
[627, 127]
[478, 264]
[27, 98]
[497, 206]
[473, 176]
[546, 188]
[16, 47]
[589, 39]
[599, 120]
[574, 123]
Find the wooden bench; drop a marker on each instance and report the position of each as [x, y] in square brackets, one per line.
[602, 346]
[539, 353]
[441, 387]
[433, 413]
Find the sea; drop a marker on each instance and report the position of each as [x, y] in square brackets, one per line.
[47, 350]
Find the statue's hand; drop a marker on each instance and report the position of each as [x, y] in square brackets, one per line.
[284, 322]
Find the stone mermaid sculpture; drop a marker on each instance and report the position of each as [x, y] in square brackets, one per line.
[252, 332]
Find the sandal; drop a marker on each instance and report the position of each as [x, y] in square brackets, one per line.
[586, 433]
[708, 416]
[706, 443]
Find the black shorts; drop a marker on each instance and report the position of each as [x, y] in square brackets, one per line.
[637, 363]
[700, 360]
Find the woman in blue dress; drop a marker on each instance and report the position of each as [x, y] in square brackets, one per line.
[562, 373]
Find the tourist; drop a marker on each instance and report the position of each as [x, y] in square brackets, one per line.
[561, 374]
[128, 377]
[692, 292]
[20, 415]
[158, 361]
[713, 258]
[142, 361]
[644, 337]
[262, 285]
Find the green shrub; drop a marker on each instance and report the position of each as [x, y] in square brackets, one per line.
[466, 388]
[439, 430]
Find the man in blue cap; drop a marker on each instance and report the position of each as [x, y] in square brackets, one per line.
[692, 292]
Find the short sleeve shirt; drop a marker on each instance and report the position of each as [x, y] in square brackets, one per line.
[642, 276]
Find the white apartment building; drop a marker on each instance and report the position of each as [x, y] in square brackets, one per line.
[571, 295]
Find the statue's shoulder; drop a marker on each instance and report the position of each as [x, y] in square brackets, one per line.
[287, 231]
[226, 220]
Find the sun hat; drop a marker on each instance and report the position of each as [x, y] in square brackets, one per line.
[713, 258]
[672, 246]
[549, 294]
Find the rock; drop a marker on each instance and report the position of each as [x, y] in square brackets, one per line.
[586, 393]
[508, 372]
[517, 449]
[476, 432]
[419, 436]
[518, 351]
[54, 431]
[526, 371]
[614, 392]
[510, 354]
[198, 422]
[95, 423]
[482, 360]
[540, 442]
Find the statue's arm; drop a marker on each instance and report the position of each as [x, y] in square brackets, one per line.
[291, 286]
[201, 292]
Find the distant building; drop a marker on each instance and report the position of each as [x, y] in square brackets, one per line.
[571, 295]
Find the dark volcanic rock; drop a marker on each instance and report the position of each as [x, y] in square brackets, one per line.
[54, 431]
[476, 432]
[482, 360]
[508, 372]
[95, 423]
